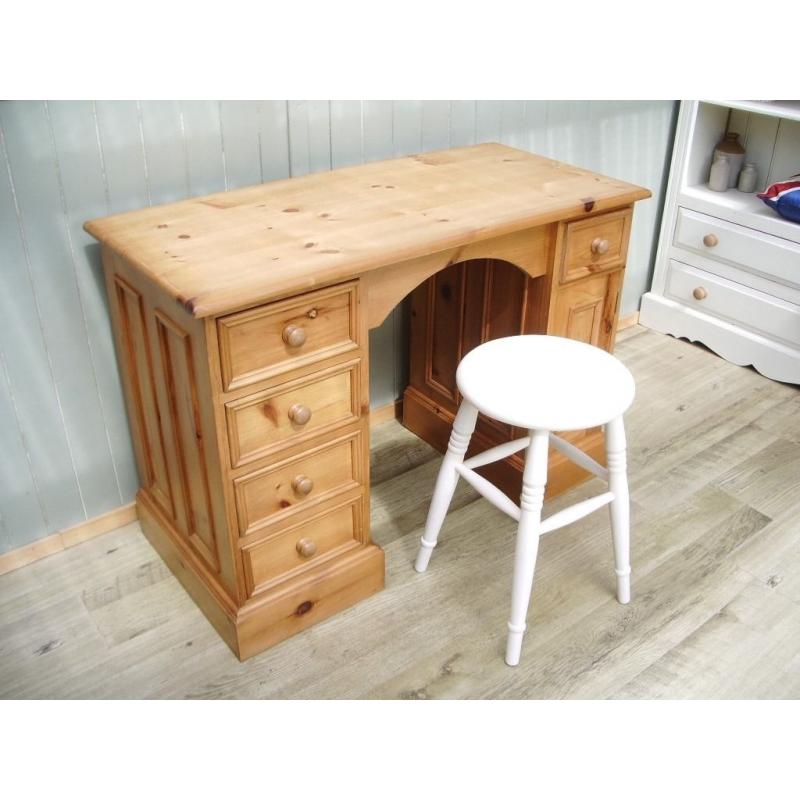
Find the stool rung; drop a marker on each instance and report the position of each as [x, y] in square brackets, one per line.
[573, 513]
[578, 456]
[489, 491]
[496, 453]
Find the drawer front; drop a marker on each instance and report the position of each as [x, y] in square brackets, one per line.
[261, 343]
[302, 546]
[756, 252]
[594, 244]
[292, 412]
[297, 484]
[730, 301]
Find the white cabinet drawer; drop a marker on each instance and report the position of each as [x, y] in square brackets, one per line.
[745, 307]
[756, 252]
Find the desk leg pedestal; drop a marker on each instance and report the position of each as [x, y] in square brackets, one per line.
[277, 613]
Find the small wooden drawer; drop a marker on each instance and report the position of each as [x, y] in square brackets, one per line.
[594, 244]
[755, 252]
[261, 343]
[299, 483]
[727, 300]
[292, 412]
[303, 545]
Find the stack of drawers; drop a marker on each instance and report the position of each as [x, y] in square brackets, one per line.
[292, 392]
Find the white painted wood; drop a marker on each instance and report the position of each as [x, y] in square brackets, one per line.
[534, 479]
[575, 512]
[578, 456]
[489, 492]
[750, 313]
[492, 380]
[620, 505]
[786, 109]
[496, 453]
[540, 382]
[740, 305]
[463, 426]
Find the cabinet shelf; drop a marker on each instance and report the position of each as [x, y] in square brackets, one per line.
[785, 109]
[739, 207]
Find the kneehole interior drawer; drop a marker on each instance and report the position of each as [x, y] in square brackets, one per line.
[292, 412]
[299, 483]
[594, 244]
[302, 546]
[260, 343]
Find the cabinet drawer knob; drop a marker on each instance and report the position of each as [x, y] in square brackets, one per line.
[299, 414]
[700, 293]
[710, 240]
[294, 335]
[306, 547]
[599, 246]
[302, 484]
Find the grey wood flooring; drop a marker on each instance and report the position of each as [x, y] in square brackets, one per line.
[714, 464]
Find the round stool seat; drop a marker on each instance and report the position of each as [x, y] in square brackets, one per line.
[545, 383]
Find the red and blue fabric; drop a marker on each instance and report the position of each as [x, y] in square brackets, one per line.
[784, 197]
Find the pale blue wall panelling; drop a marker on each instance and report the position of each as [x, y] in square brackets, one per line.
[66, 451]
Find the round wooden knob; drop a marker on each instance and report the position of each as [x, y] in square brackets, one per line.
[599, 246]
[302, 484]
[700, 293]
[299, 414]
[294, 335]
[306, 547]
[709, 240]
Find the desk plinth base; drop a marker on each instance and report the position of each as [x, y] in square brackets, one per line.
[273, 615]
[433, 424]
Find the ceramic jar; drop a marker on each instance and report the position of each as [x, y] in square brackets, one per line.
[748, 177]
[729, 145]
[720, 173]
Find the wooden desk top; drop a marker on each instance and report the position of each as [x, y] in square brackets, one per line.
[234, 249]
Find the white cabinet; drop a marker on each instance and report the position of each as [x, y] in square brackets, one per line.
[727, 270]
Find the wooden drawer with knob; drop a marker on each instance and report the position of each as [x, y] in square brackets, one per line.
[726, 300]
[262, 343]
[592, 245]
[754, 252]
[304, 545]
[292, 412]
[298, 484]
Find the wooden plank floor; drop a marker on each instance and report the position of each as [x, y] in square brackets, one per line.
[715, 482]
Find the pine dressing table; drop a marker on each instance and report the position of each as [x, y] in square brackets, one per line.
[241, 323]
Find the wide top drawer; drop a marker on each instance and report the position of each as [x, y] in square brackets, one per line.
[260, 343]
[756, 252]
[594, 244]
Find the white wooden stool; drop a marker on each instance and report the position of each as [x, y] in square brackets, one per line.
[542, 384]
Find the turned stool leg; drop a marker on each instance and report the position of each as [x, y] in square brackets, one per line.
[616, 458]
[534, 479]
[463, 426]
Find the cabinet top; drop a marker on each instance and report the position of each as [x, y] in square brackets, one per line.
[234, 249]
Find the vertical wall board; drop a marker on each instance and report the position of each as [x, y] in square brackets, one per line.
[488, 121]
[377, 127]
[462, 122]
[240, 146]
[122, 149]
[785, 162]
[22, 339]
[536, 124]
[273, 139]
[20, 510]
[762, 132]
[84, 197]
[406, 127]
[512, 123]
[52, 260]
[309, 136]
[346, 144]
[202, 141]
[164, 150]
[435, 124]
